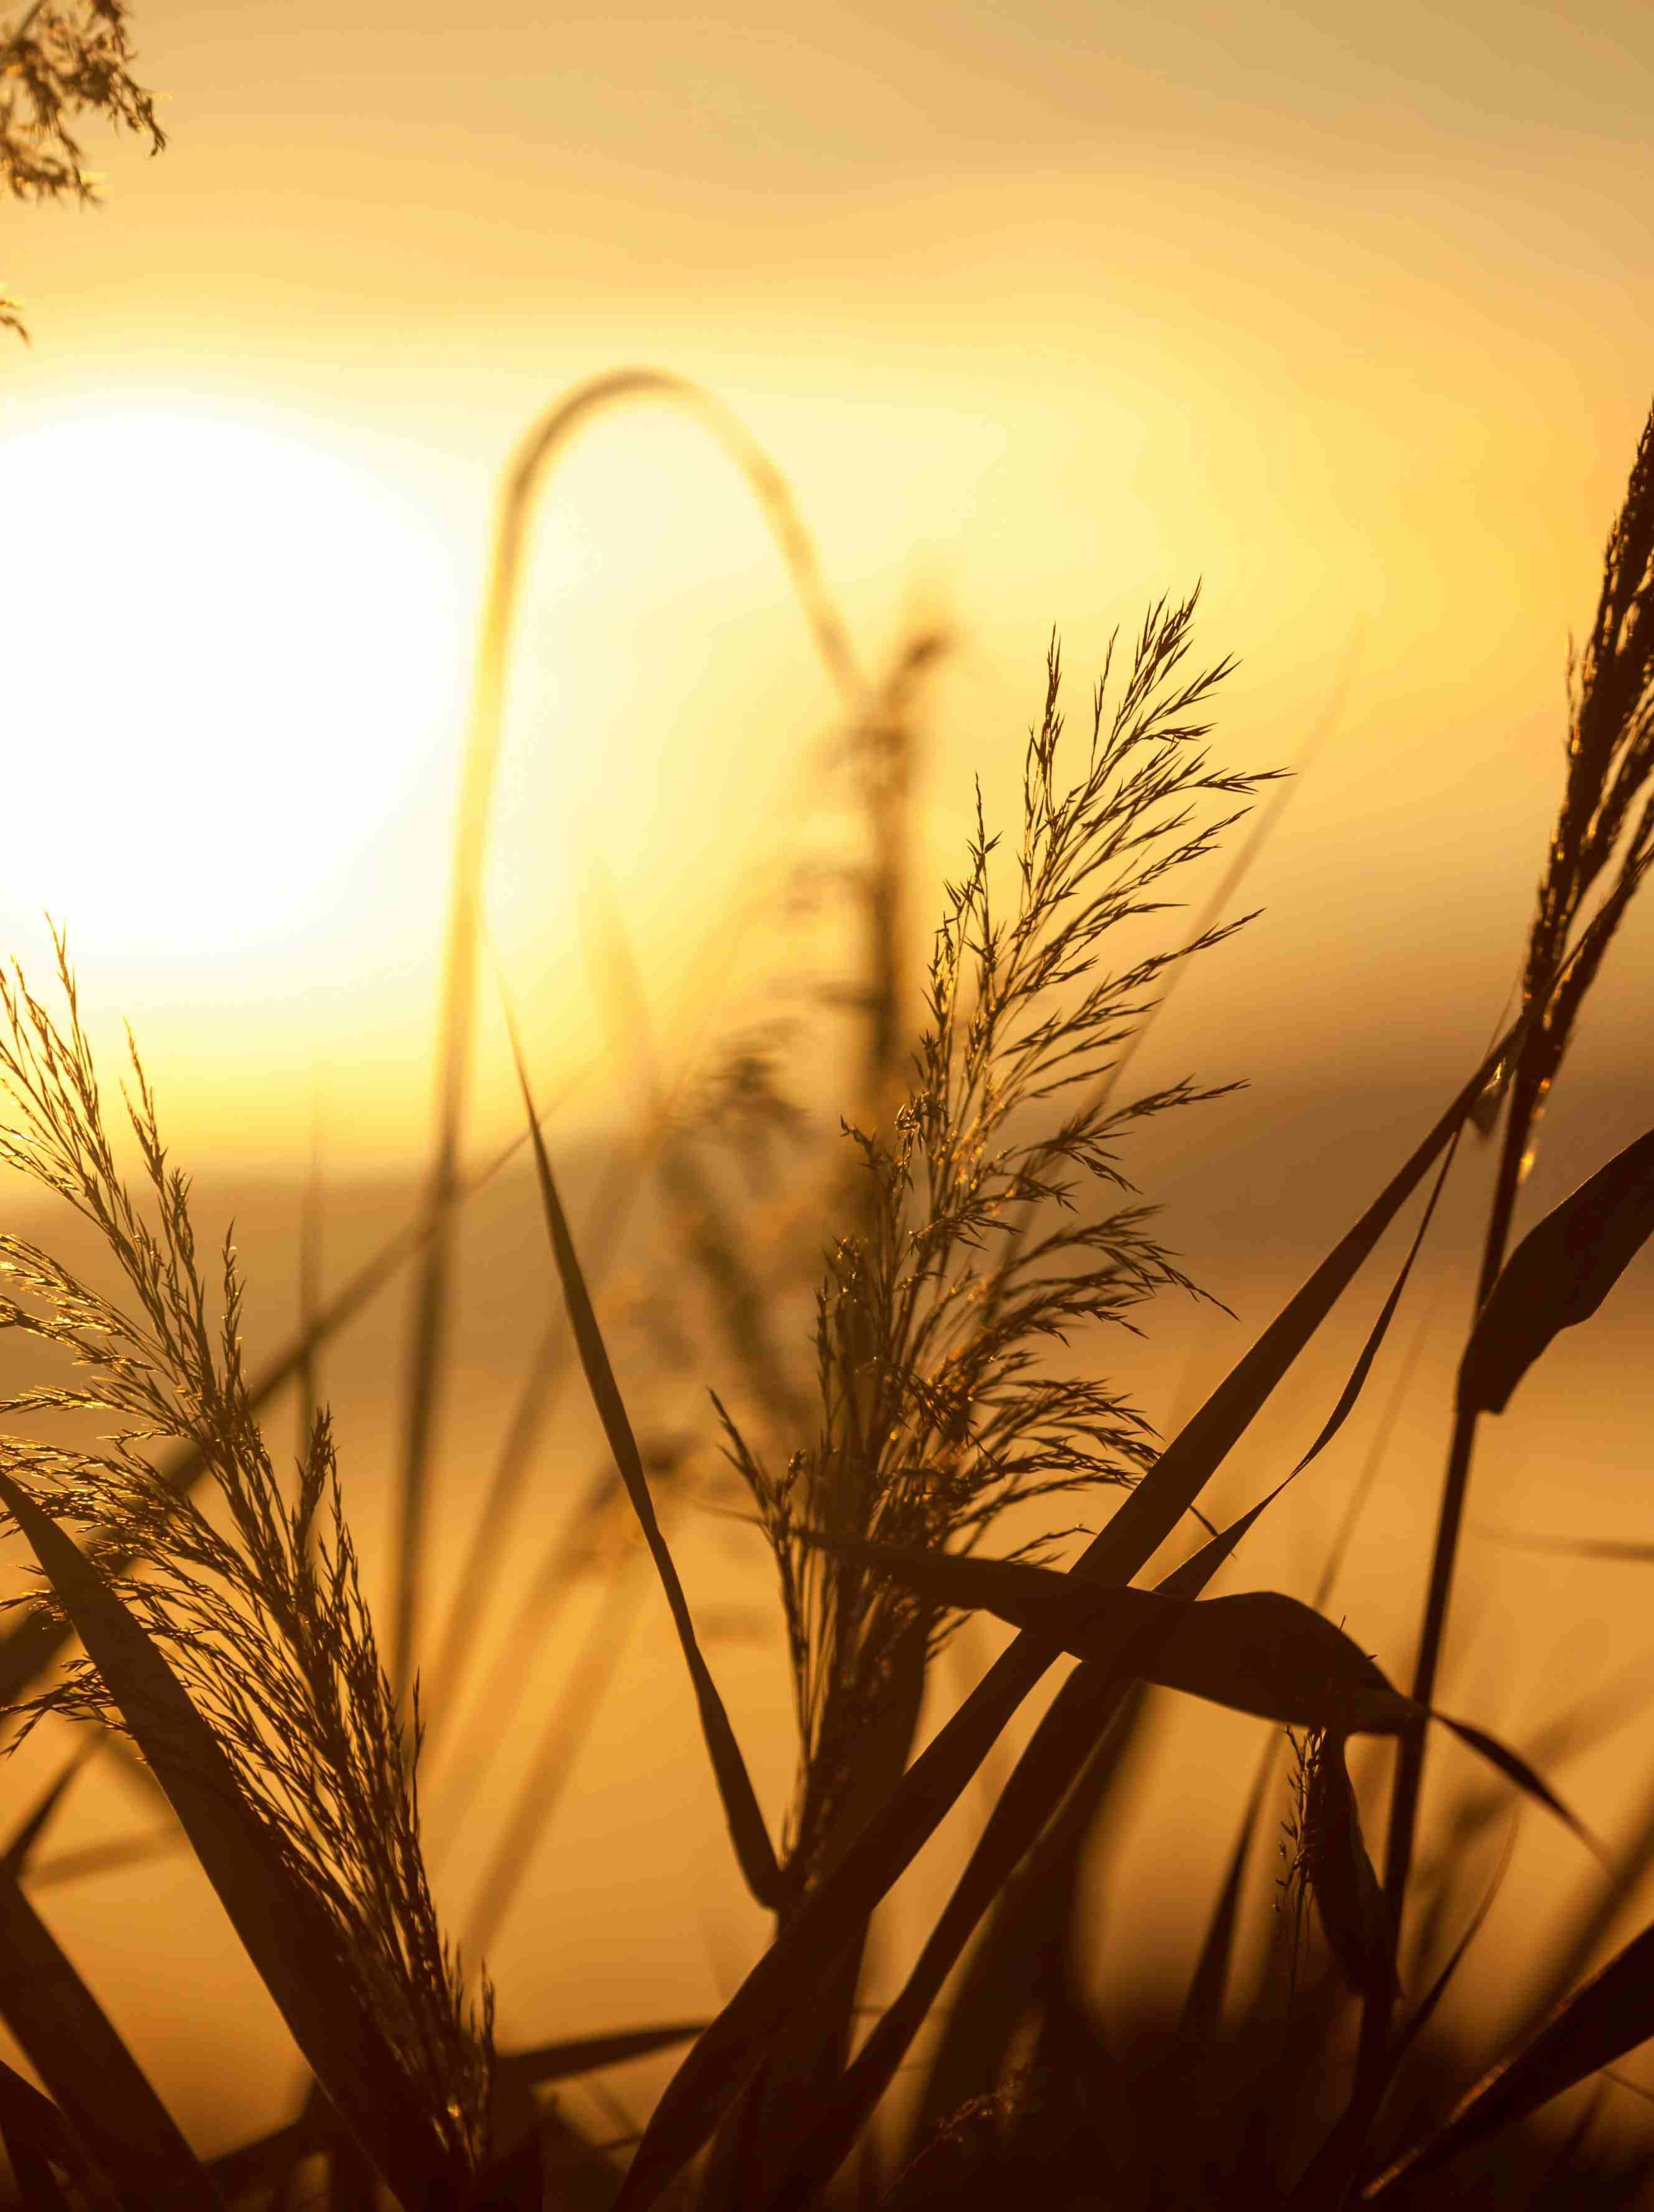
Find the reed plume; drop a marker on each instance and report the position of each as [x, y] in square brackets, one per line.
[1610, 757]
[262, 1620]
[936, 1414]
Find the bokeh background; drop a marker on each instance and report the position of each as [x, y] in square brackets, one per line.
[1043, 311]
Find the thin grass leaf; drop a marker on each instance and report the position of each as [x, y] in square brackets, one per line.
[1425, 2010]
[1023, 1944]
[584, 2054]
[18, 1852]
[488, 1535]
[712, 2075]
[474, 1736]
[755, 2160]
[753, 1849]
[37, 2138]
[515, 2183]
[1356, 1380]
[1610, 761]
[1559, 1275]
[707, 1237]
[291, 1950]
[1086, 1707]
[1326, 2182]
[1262, 1653]
[1573, 2143]
[1590, 1721]
[1515, 1768]
[31, 2170]
[1349, 1902]
[579, 2175]
[1079, 1717]
[103, 2092]
[103, 1858]
[1200, 2020]
[551, 1761]
[262, 2163]
[525, 476]
[1573, 1548]
[1609, 2016]
[1592, 1927]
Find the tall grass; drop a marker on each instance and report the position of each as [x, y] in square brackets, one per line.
[975, 1213]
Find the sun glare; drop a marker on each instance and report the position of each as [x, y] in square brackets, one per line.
[231, 658]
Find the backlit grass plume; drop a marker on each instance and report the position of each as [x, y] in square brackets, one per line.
[936, 1411]
[1608, 807]
[265, 1625]
[1610, 758]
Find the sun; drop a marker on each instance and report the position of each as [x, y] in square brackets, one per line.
[230, 659]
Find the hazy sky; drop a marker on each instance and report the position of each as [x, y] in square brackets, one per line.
[1044, 310]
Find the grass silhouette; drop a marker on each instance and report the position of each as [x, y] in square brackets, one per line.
[975, 1212]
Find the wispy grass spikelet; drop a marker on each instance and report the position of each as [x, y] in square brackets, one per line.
[936, 1411]
[263, 1622]
[1610, 758]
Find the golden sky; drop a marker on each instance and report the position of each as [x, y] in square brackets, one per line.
[1045, 310]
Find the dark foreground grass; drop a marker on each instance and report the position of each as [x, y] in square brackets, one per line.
[974, 1213]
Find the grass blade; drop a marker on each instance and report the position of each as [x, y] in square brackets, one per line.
[471, 1742]
[1593, 1927]
[1348, 1900]
[1200, 2020]
[1025, 1941]
[1261, 1653]
[1559, 1275]
[1609, 2016]
[515, 2183]
[756, 2158]
[97, 2084]
[1081, 1712]
[489, 1535]
[1575, 1547]
[525, 476]
[702, 1224]
[552, 1759]
[1086, 1707]
[712, 2075]
[37, 2136]
[1423, 2011]
[754, 1848]
[1327, 2180]
[265, 2162]
[104, 1858]
[584, 2054]
[19, 1851]
[276, 1923]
